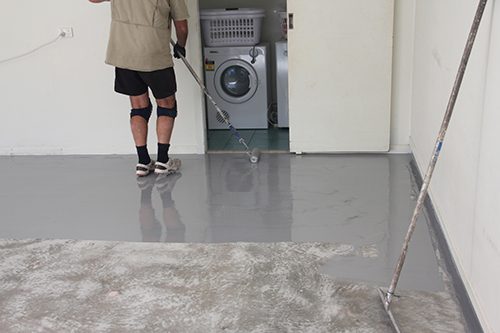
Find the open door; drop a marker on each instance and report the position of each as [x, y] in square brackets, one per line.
[340, 65]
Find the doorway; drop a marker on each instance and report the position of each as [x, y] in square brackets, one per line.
[339, 89]
[243, 83]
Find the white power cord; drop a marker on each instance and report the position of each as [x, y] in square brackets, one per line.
[62, 34]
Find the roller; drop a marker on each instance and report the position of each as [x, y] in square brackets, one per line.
[253, 154]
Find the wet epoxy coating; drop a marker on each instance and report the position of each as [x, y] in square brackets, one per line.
[361, 200]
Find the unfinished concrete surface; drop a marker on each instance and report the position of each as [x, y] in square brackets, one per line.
[64, 286]
[293, 244]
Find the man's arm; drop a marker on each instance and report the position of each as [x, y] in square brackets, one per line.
[181, 29]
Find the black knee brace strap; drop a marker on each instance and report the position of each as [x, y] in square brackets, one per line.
[144, 112]
[160, 111]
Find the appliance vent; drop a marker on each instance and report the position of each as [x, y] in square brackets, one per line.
[219, 117]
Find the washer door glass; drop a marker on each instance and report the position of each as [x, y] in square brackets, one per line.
[235, 81]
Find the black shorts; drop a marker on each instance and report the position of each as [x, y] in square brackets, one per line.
[133, 83]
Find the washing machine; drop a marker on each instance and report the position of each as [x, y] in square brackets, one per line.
[237, 79]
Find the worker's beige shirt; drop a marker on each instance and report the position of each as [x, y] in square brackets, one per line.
[140, 33]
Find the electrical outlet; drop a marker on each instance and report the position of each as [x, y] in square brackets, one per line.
[67, 32]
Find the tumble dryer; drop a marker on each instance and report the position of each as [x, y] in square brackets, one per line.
[237, 79]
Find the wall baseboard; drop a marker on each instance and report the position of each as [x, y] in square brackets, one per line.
[58, 151]
[400, 149]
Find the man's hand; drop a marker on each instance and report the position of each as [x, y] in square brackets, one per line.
[179, 50]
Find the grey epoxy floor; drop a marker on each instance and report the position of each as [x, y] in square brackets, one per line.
[272, 139]
[362, 200]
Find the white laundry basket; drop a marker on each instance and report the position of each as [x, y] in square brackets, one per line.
[231, 26]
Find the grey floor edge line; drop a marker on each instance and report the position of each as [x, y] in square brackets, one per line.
[470, 315]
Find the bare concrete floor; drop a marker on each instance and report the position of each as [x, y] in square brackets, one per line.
[363, 201]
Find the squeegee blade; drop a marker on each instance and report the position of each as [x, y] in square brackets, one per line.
[387, 309]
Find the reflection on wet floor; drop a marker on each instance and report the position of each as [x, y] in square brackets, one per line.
[364, 201]
[171, 228]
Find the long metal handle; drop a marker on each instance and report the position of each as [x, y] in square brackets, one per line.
[191, 69]
[217, 108]
[203, 87]
[437, 150]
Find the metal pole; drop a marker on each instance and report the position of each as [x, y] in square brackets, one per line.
[253, 154]
[437, 150]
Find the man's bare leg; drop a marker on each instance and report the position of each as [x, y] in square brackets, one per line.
[138, 124]
[167, 111]
[165, 124]
[141, 111]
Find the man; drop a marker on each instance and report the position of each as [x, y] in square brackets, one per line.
[139, 48]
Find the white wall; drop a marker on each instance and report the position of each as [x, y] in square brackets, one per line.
[60, 100]
[465, 187]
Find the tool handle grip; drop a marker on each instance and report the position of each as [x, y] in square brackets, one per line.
[191, 69]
